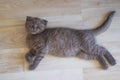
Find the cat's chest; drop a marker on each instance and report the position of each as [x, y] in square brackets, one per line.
[33, 38]
[33, 41]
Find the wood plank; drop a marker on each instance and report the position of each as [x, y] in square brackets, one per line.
[111, 35]
[38, 8]
[73, 21]
[93, 18]
[11, 61]
[110, 74]
[74, 74]
[94, 4]
[12, 37]
[113, 47]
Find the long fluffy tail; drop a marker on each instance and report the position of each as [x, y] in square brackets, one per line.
[105, 25]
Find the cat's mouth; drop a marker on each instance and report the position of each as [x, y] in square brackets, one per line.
[34, 32]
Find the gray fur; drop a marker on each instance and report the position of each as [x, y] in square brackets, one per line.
[65, 42]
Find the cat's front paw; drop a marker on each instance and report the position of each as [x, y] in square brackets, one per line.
[29, 59]
[105, 67]
[32, 67]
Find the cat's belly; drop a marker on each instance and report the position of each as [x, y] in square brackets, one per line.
[63, 53]
[63, 49]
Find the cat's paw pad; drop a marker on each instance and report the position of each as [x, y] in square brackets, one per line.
[32, 67]
[29, 59]
[113, 62]
[105, 67]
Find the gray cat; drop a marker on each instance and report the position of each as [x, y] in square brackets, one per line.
[65, 42]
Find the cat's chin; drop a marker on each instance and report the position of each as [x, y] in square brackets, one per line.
[34, 32]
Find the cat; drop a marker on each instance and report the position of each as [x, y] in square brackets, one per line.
[65, 42]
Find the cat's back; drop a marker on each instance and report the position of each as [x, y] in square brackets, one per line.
[59, 32]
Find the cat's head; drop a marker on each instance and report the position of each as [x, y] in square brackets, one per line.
[35, 25]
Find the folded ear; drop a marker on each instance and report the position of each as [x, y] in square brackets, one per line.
[45, 22]
[28, 18]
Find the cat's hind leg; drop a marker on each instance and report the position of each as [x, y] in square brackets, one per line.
[103, 55]
[104, 52]
[100, 58]
[109, 57]
[99, 51]
[102, 61]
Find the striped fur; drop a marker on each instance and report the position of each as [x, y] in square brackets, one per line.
[65, 42]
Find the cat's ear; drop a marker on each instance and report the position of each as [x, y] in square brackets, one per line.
[28, 18]
[45, 22]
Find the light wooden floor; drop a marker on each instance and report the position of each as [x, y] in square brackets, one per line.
[79, 14]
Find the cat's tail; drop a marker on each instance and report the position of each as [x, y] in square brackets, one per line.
[105, 25]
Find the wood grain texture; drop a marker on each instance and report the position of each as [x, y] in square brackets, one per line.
[111, 74]
[78, 14]
[11, 60]
[38, 7]
[73, 74]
